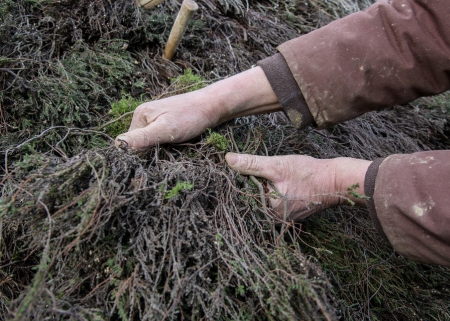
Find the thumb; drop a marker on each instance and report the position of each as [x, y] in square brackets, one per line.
[260, 166]
[139, 139]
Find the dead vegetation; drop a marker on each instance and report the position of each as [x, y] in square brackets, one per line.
[89, 232]
[152, 240]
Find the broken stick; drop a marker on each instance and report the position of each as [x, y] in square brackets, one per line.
[179, 27]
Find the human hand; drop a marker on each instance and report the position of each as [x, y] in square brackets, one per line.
[170, 120]
[304, 185]
[180, 118]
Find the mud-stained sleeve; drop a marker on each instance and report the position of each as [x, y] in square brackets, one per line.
[369, 189]
[287, 90]
[412, 204]
[391, 54]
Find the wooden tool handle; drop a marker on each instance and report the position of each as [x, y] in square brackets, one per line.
[179, 27]
[148, 4]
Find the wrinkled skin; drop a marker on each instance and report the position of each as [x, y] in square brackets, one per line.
[303, 185]
[172, 120]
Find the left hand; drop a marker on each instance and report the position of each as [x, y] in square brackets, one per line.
[171, 120]
[304, 185]
[183, 117]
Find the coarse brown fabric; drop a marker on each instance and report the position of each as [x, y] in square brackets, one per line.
[390, 54]
[393, 53]
[369, 190]
[412, 204]
[287, 91]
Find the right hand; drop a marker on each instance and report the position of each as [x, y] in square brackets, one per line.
[304, 185]
[170, 120]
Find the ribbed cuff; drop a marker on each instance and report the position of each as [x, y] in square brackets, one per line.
[286, 88]
[369, 190]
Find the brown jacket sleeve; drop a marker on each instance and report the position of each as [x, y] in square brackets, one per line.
[412, 203]
[393, 53]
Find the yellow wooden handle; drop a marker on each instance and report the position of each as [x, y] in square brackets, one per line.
[148, 4]
[188, 7]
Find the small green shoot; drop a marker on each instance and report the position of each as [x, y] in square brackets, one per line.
[217, 140]
[240, 290]
[188, 81]
[178, 187]
[219, 239]
[351, 191]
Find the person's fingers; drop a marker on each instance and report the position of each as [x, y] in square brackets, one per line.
[261, 166]
[143, 115]
[138, 122]
[143, 138]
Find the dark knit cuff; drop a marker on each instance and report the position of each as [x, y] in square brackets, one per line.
[286, 88]
[369, 190]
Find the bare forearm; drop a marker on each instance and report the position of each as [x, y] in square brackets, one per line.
[247, 93]
[350, 174]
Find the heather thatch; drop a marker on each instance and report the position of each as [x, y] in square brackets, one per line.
[92, 232]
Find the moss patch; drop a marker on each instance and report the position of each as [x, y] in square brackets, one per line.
[121, 113]
[217, 140]
[188, 81]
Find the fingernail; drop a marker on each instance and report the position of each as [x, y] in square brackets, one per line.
[124, 142]
[232, 158]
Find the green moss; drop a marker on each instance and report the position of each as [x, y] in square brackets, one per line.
[125, 105]
[188, 81]
[178, 187]
[219, 239]
[217, 140]
[75, 91]
[30, 162]
[115, 268]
